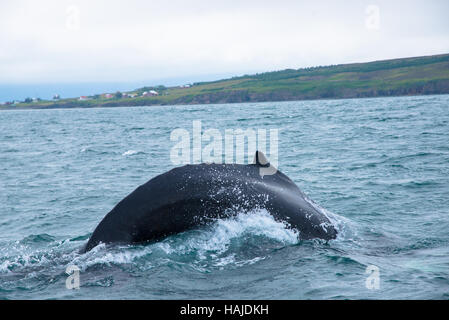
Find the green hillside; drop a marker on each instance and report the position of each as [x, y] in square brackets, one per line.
[408, 76]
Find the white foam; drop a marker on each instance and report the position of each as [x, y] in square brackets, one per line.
[210, 245]
[257, 222]
[131, 152]
[100, 255]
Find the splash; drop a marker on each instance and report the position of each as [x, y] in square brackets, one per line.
[258, 222]
[219, 244]
[344, 226]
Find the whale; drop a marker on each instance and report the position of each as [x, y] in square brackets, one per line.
[195, 195]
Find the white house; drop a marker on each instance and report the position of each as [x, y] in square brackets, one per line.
[150, 93]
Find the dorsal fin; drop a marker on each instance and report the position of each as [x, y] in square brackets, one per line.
[260, 159]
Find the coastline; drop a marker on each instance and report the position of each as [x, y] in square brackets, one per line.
[418, 76]
[58, 107]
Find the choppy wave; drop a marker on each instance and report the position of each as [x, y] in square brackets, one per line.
[219, 243]
[62, 170]
[243, 240]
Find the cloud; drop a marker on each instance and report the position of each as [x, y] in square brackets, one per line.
[85, 41]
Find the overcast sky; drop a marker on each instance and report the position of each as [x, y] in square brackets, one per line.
[88, 41]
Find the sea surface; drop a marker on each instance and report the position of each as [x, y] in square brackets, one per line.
[379, 167]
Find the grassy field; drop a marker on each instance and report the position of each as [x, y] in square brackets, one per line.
[408, 76]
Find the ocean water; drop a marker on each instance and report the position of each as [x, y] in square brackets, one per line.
[379, 167]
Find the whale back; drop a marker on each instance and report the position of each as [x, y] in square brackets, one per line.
[193, 195]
